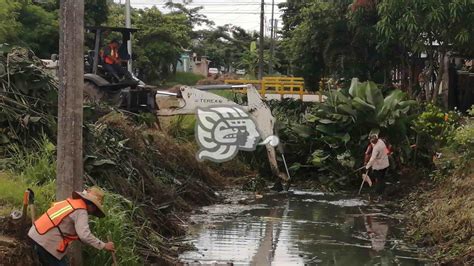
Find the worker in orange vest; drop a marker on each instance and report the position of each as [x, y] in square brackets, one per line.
[65, 222]
[112, 61]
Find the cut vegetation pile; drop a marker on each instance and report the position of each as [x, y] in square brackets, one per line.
[150, 178]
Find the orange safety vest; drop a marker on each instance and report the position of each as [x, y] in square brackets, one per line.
[55, 215]
[110, 59]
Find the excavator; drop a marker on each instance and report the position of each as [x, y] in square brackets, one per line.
[187, 100]
[136, 96]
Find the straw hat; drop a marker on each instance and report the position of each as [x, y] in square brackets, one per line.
[94, 195]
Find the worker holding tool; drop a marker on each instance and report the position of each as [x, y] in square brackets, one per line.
[65, 222]
[378, 162]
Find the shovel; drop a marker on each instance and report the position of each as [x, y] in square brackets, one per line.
[31, 205]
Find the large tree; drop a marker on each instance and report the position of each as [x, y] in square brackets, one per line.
[224, 45]
[35, 24]
[161, 40]
[333, 39]
[317, 39]
[432, 26]
[9, 25]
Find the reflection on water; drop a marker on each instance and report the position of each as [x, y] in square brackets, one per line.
[302, 229]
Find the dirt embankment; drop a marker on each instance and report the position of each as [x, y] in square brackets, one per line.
[14, 246]
[441, 218]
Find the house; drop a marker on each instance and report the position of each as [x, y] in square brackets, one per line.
[200, 65]
[195, 64]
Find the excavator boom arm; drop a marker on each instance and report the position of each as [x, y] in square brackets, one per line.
[188, 99]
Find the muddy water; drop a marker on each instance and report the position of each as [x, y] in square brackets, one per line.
[299, 228]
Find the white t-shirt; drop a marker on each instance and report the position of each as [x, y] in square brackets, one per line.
[379, 158]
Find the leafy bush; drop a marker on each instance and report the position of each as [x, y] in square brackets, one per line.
[457, 156]
[463, 143]
[333, 134]
[436, 126]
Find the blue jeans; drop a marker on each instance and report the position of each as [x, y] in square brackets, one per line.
[46, 259]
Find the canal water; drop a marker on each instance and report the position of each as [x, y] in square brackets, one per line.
[299, 228]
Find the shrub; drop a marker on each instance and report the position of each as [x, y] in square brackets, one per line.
[457, 157]
[436, 126]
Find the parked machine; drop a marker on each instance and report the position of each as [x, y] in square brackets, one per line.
[99, 85]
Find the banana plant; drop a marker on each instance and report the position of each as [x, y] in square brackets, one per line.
[338, 128]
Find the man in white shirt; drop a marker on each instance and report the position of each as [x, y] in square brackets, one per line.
[378, 162]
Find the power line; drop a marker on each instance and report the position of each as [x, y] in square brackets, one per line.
[205, 3]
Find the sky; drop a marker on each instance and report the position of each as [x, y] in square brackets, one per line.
[243, 13]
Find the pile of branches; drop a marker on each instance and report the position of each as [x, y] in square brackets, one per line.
[28, 98]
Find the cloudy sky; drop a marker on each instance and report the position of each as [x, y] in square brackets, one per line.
[243, 13]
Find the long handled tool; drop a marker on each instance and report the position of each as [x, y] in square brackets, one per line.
[25, 205]
[361, 185]
[282, 152]
[31, 205]
[365, 178]
[358, 169]
[113, 252]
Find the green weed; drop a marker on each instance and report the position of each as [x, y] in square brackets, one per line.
[120, 227]
[36, 165]
[11, 193]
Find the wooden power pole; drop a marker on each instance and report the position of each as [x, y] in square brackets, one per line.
[128, 24]
[71, 85]
[272, 39]
[260, 49]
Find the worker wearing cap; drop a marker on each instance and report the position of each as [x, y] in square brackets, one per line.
[66, 221]
[378, 162]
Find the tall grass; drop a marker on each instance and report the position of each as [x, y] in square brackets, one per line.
[33, 168]
[12, 188]
[36, 164]
[120, 227]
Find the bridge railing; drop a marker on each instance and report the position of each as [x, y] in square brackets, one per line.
[274, 85]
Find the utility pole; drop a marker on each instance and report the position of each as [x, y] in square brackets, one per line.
[128, 24]
[260, 51]
[71, 85]
[272, 37]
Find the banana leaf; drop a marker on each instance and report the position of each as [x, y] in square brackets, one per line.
[373, 95]
[361, 105]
